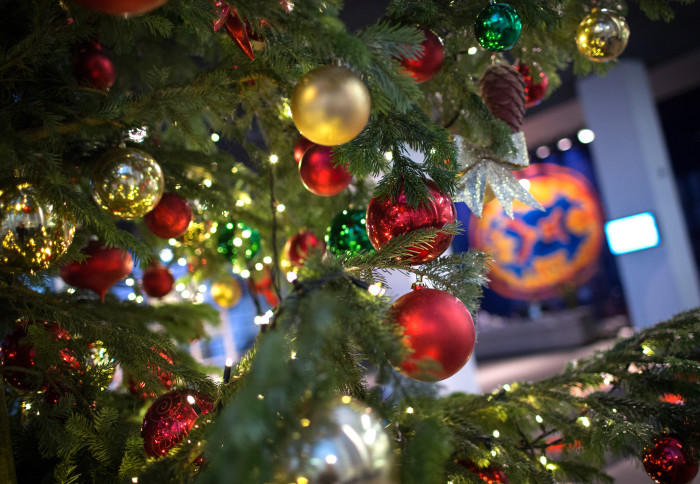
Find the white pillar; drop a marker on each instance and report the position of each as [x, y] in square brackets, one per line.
[635, 175]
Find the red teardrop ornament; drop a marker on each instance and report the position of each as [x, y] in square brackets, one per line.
[103, 268]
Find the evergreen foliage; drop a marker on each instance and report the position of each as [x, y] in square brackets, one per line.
[180, 82]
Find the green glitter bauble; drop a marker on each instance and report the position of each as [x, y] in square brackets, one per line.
[347, 234]
[498, 27]
[234, 237]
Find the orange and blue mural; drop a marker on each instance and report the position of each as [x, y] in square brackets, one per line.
[538, 253]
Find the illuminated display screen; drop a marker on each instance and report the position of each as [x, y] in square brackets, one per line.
[633, 233]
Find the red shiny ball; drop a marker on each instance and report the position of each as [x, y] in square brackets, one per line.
[16, 351]
[170, 418]
[429, 62]
[669, 461]
[157, 281]
[300, 147]
[92, 67]
[171, 218]
[386, 219]
[320, 175]
[438, 329]
[298, 247]
[260, 283]
[121, 7]
[103, 268]
[535, 87]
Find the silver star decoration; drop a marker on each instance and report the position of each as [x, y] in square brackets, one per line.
[479, 167]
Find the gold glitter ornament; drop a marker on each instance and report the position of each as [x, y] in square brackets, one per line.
[226, 292]
[602, 35]
[197, 233]
[33, 235]
[128, 183]
[330, 105]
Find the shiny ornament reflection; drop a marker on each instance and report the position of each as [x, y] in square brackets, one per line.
[497, 27]
[330, 105]
[17, 352]
[439, 331]
[170, 418]
[347, 234]
[603, 35]
[343, 444]
[237, 237]
[33, 235]
[669, 461]
[171, 218]
[102, 268]
[388, 218]
[128, 183]
[299, 246]
[226, 292]
[157, 280]
[428, 64]
[320, 175]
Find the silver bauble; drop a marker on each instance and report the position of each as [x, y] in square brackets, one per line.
[341, 444]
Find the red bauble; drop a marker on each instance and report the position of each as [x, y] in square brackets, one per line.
[490, 474]
[429, 62]
[170, 418]
[157, 280]
[121, 7]
[320, 175]
[15, 351]
[535, 87]
[298, 246]
[138, 388]
[388, 218]
[92, 67]
[171, 218]
[669, 461]
[438, 329]
[102, 269]
[260, 283]
[300, 147]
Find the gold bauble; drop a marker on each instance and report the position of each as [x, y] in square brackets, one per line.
[330, 105]
[33, 236]
[128, 183]
[226, 292]
[602, 36]
[197, 233]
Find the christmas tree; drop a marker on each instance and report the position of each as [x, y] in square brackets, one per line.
[136, 127]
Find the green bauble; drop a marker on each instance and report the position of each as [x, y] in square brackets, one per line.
[347, 234]
[498, 27]
[238, 236]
